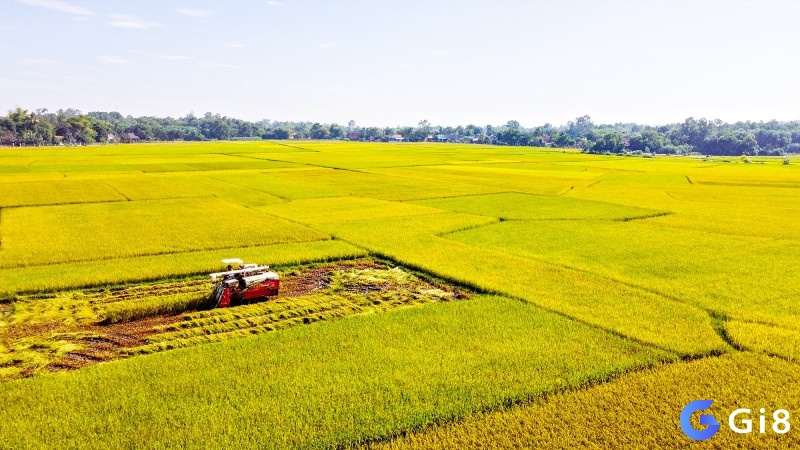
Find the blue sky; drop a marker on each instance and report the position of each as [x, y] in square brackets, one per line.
[398, 62]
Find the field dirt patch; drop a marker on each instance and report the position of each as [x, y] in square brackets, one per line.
[68, 330]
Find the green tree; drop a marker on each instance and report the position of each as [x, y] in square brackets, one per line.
[336, 131]
[580, 127]
[562, 139]
[319, 131]
[473, 130]
[648, 139]
[609, 142]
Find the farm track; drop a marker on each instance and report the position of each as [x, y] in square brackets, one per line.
[308, 294]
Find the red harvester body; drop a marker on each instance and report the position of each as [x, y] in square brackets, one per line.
[243, 285]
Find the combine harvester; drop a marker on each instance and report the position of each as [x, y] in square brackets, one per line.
[243, 285]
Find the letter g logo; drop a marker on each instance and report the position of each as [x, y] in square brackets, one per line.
[705, 419]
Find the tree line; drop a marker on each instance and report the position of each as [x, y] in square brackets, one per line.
[713, 137]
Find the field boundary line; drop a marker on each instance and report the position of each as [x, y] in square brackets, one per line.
[458, 196]
[116, 190]
[644, 217]
[298, 163]
[100, 202]
[606, 170]
[497, 220]
[763, 239]
[246, 156]
[35, 294]
[444, 234]
[213, 194]
[303, 163]
[533, 194]
[724, 319]
[631, 284]
[482, 290]
[713, 315]
[511, 404]
[595, 182]
[461, 182]
[294, 146]
[718, 321]
[94, 202]
[788, 185]
[626, 283]
[145, 255]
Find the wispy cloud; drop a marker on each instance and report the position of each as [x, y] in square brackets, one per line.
[115, 60]
[439, 52]
[175, 57]
[38, 61]
[221, 66]
[194, 12]
[59, 6]
[131, 22]
[236, 45]
[328, 45]
[274, 3]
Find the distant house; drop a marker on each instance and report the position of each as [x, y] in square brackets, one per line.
[111, 137]
[396, 138]
[354, 135]
[452, 137]
[133, 137]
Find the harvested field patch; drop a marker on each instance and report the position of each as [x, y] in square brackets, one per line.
[69, 330]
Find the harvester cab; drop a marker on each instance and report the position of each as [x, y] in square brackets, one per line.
[243, 283]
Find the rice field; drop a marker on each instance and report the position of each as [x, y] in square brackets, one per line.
[89, 232]
[591, 418]
[536, 298]
[443, 361]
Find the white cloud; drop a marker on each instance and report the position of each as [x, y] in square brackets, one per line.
[194, 12]
[131, 22]
[328, 45]
[115, 60]
[59, 6]
[274, 3]
[439, 52]
[175, 57]
[236, 45]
